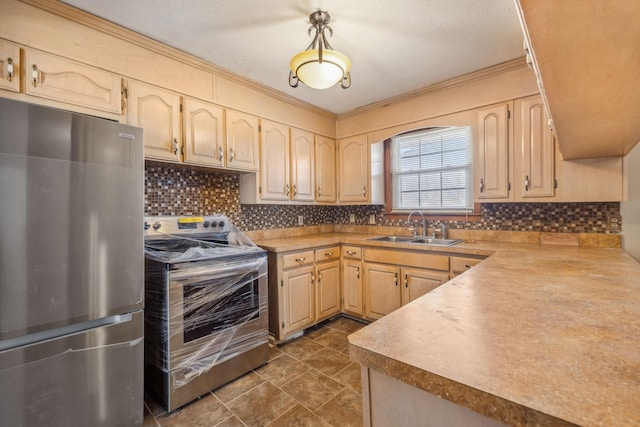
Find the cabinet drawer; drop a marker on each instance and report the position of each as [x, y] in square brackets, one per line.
[298, 258]
[351, 252]
[460, 265]
[407, 258]
[327, 254]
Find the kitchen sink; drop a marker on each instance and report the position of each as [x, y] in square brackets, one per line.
[403, 239]
[436, 242]
[418, 240]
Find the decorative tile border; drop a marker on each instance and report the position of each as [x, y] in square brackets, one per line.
[184, 190]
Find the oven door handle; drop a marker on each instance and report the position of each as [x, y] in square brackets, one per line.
[220, 269]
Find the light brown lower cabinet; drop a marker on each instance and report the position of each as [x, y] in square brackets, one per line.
[389, 287]
[304, 289]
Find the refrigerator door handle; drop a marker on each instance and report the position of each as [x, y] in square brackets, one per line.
[62, 331]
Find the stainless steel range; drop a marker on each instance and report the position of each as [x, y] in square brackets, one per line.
[205, 306]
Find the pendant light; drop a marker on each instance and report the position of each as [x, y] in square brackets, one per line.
[319, 66]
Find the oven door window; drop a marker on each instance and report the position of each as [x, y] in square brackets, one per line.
[215, 304]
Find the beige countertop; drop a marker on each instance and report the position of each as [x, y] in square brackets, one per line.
[533, 335]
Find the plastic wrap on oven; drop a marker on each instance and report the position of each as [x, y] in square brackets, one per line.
[167, 329]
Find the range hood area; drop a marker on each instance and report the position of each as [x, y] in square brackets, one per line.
[586, 55]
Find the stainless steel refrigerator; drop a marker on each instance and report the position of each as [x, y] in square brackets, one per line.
[71, 269]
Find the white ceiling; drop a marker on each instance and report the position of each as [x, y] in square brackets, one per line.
[396, 46]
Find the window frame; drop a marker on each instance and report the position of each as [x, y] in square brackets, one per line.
[457, 215]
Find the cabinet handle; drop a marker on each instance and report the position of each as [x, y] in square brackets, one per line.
[319, 277]
[328, 254]
[396, 279]
[287, 189]
[364, 190]
[295, 189]
[319, 191]
[35, 75]
[467, 266]
[357, 272]
[300, 259]
[175, 145]
[406, 281]
[231, 155]
[220, 153]
[9, 69]
[526, 183]
[351, 252]
[482, 185]
[313, 278]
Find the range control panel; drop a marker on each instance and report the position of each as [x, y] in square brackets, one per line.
[162, 225]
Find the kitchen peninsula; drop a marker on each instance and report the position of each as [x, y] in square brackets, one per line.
[533, 335]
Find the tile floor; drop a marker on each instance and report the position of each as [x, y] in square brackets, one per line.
[309, 381]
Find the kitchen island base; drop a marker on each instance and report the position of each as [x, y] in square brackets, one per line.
[387, 401]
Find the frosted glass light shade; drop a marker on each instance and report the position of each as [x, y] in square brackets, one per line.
[317, 75]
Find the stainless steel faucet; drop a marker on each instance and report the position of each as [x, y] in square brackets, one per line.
[424, 223]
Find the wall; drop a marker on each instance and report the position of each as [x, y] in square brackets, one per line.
[630, 208]
[180, 190]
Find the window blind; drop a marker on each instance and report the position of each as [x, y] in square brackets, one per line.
[432, 170]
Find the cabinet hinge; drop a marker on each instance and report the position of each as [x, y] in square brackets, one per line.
[555, 183]
[508, 114]
[181, 108]
[260, 189]
[509, 187]
[282, 283]
[260, 128]
[283, 326]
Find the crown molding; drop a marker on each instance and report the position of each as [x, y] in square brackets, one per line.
[483, 73]
[94, 22]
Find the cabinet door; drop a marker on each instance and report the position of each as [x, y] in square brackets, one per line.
[352, 287]
[203, 133]
[274, 173]
[157, 111]
[353, 169]
[298, 299]
[242, 141]
[382, 290]
[328, 289]
[492, 144]
[325, 169]
[52, 77]
[10, 66]
[534, 150]
[302, 166]
[417, 282]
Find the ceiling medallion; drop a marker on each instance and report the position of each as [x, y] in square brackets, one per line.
[319, 66]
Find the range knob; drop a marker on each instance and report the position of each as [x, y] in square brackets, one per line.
[157, 225]
[221, 224]
[206, 224]
[146, 226]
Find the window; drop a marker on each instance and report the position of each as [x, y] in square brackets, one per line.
[431, 170]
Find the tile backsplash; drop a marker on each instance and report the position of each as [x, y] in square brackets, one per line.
[180, 190]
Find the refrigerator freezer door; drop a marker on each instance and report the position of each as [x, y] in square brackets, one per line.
[93, 378]
[72, 212]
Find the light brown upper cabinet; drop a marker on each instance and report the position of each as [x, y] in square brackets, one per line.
[10, 67]
[493, 165]
[302, 166]
[274, 174]
[325, 170]
[353, 169]
[243, 141]
[287, 169]
[157, 111]
[204, 141]
[534, 147]
[59, 79]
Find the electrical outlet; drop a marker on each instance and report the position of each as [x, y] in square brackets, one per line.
[372, 219]
[300, 220]
[352, 218]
